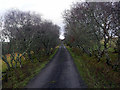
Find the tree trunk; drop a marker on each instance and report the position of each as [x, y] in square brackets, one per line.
[30, 56]
[15, 63]
[118, 63]
[99, 56]
[11, 61]
[20, 61]
[106, 51]
[119, 36]
[4, 58]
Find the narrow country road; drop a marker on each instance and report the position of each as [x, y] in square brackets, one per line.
[60, 72]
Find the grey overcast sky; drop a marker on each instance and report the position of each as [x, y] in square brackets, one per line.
[49, 9]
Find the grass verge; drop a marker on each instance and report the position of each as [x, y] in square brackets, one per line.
[95, 74]
[19, 77]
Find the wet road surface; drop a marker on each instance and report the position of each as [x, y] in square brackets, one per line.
[60, 72]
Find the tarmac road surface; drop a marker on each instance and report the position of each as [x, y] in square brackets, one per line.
[60, 72]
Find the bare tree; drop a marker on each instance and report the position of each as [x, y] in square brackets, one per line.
[27, 32]
[88, 23]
